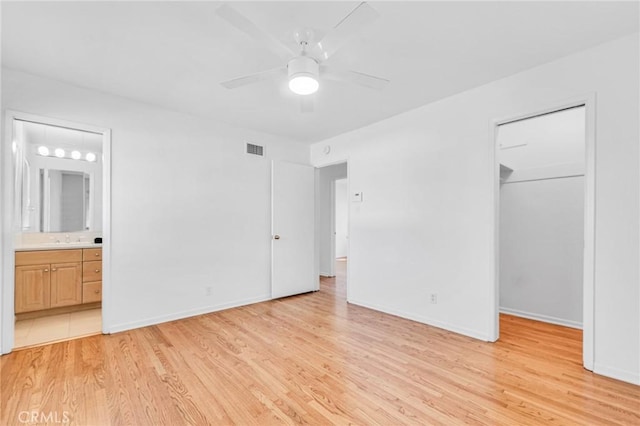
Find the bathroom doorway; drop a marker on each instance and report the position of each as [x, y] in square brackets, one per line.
[55, 256]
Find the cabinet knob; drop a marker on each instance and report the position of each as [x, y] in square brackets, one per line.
[97, 291]
[53, 269]
[97, 254]
[46, 270]
[97, 270]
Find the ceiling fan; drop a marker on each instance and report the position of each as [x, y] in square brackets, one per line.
[305, 68]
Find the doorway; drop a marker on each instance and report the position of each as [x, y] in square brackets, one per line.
[544, 218]
[333, 220]
[341, 232]
[56, 204]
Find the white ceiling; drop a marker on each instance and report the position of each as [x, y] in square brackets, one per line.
[175, 54]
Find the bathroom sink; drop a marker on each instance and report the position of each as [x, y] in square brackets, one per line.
[70, 243]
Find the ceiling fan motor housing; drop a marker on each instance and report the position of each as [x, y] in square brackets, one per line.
[303, 66]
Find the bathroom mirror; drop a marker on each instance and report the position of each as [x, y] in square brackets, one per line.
[61, 172]
[65, 197]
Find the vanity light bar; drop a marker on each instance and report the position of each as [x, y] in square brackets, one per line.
[61, 153]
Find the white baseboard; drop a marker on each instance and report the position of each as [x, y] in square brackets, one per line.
[183, 314]
[543, 318]
[424, 320]
[616, 373]
[326, 274]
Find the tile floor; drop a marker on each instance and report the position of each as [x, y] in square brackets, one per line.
[57, 327]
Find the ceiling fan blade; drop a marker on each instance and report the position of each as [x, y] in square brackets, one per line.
[254, 78]
[359, 18]
[307, 103]
[242, 23]
[354, 77]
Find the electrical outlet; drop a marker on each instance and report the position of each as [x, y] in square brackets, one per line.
[434, 298]
[207, 291]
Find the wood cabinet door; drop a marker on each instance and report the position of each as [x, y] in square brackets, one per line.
[32, 288]
[66, 284]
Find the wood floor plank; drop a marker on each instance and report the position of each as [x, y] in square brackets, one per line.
[314, 359]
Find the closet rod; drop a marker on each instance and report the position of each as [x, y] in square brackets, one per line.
[542, 114]
[545, 178]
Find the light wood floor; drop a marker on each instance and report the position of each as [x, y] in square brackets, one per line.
[314, 359]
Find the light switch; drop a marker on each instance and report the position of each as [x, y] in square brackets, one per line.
[356, 197]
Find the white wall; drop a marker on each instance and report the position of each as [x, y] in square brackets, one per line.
[427, 222]
[189, 208]
[325, 214]
[342, 217]
[541, 241]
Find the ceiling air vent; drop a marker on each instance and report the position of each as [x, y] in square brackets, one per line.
[255, 149]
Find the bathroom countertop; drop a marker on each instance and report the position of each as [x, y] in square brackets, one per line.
[56, 246]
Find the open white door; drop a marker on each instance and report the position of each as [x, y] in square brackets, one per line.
[292, 229]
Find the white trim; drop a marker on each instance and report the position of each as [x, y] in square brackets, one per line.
[476, 334]
[588, 314]
[349, 221]
[540, 317]
[317, 273]
[272, 233]
[588, 320]
[332, 228]
[7, 290]
[9, 224]
[494, 238]
[116, 328]
[616, 373]
[107, 308]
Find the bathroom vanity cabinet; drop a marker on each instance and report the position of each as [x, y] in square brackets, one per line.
[47, 279]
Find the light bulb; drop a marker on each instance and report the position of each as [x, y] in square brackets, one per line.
[59, 152]
[76, 155]
[302, 84]
[90, 156]
[43, 150]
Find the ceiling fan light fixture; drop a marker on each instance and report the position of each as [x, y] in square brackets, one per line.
[303, 75]
[303, 84]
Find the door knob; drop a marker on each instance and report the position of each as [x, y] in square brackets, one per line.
[276, 237]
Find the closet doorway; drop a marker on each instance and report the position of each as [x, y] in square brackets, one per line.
[544, 227]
